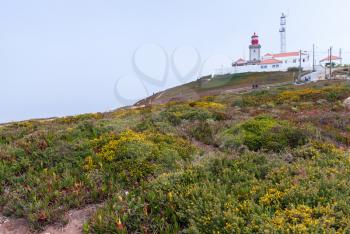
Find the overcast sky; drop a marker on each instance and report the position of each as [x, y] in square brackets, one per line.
[64, 57]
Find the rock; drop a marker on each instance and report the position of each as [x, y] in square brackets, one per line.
[3, 219]
[295, 109]
[321, 101]
[347, 103]
[288, 158]
[237, 108]
[243, 149]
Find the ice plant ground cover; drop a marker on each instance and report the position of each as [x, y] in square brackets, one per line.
[264, 161]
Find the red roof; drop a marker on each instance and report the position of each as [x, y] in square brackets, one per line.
[328, 58]
[268, 54]
[288, 54]
[270, 61]
[240, 61]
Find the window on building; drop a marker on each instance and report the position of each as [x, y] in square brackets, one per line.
[294, 60]
[286, 61]
[304, 60]
[277, 65]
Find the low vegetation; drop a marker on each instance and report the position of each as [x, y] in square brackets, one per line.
[264, 134]
[274, 160]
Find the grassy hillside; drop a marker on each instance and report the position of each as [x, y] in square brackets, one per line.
[265, 161]
[224, 83]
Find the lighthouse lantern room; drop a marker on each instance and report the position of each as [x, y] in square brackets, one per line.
[254, 50]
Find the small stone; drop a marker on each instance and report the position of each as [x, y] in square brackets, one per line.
[321, 101]
[3, 220]
[237, 108]
[347, 103]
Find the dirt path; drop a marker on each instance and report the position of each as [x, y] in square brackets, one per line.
[76, 219]
[205, 147]
[13, 226]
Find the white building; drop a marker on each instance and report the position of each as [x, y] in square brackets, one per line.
[268, 63]
[335, 61]
[287, 60]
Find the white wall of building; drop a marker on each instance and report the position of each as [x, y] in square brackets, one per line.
[292, 61]
[284, 66]
[287, 62]
[254, 53]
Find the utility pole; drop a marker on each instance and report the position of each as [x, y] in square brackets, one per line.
[313, 58]
[299, 65]
[340, 56]
[325, 67]
[330, 63]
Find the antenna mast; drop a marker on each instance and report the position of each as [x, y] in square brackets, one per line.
[283, 33]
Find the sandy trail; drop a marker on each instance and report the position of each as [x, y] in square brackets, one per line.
[76, 219]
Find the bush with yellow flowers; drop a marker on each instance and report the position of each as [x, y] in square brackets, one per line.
[131, 157]
[252, 193]
[208, 105]
[299, 95]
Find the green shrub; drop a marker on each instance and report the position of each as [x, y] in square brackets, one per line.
[202, 131]
[332, 93]
[293, 69]
[306, 152]
[263, 133]
[176, 114]
[130, 157]
[248, 194]
[195, 200]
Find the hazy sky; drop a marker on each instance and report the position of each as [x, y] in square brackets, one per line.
[64, 57]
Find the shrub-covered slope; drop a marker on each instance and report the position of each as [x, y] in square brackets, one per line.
[206, 86]
[260, 162]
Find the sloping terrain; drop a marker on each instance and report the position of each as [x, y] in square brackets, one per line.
[267, 160]
[207, 86]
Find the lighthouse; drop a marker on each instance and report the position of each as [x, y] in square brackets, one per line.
[254, 50]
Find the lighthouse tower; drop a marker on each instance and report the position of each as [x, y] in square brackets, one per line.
[254, 50]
